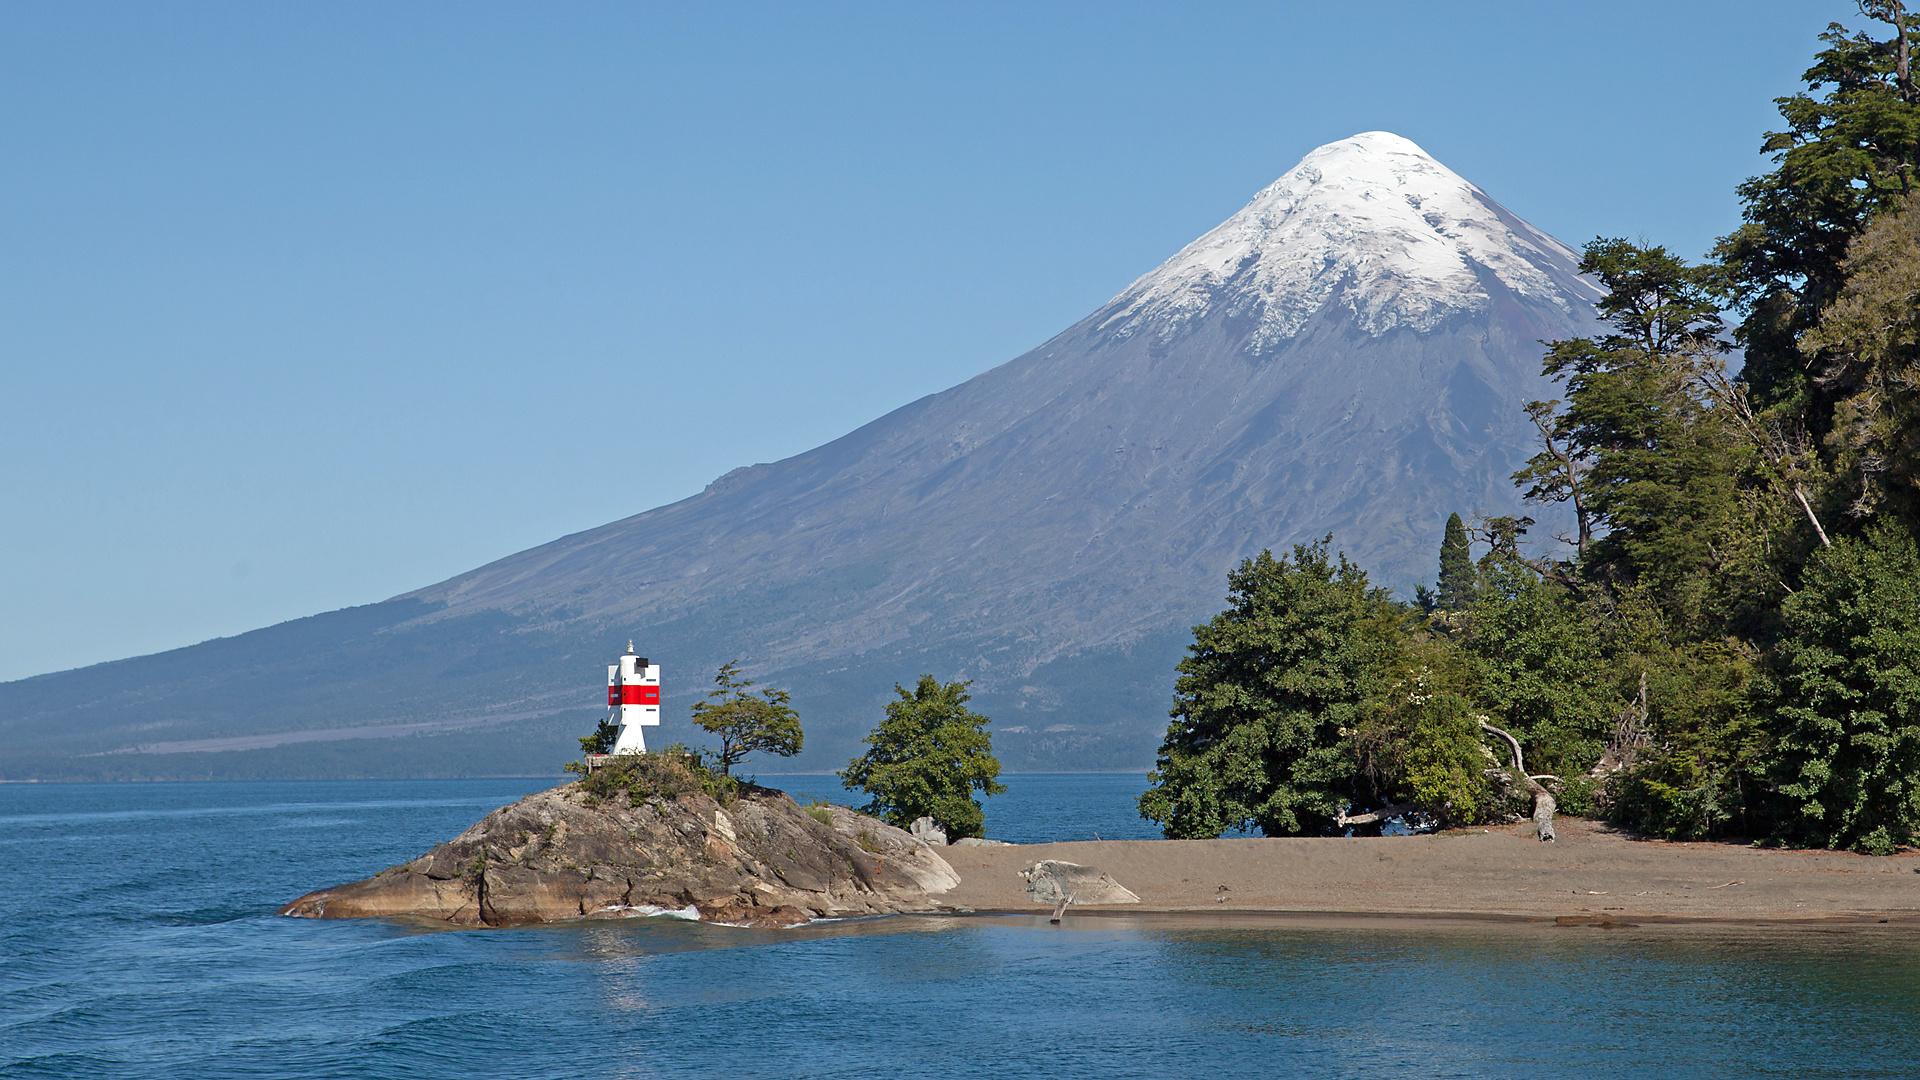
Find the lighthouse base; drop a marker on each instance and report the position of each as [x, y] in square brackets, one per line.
[595, 761]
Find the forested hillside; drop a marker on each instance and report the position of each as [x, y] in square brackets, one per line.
[1728, 640]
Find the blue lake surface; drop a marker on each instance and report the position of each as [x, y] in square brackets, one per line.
[138, 940]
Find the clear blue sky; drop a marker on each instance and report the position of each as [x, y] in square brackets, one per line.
[308, 305]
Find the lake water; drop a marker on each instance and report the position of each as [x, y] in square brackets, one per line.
[139, 942]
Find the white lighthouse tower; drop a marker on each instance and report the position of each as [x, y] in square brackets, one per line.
[633, 700]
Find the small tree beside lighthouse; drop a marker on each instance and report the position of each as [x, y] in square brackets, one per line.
[746, 722]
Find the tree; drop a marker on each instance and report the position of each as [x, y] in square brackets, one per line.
[926, 759]
[1539, 663]
[1868, 343]
[1843, 158]
[602, 739]
[1848, 717]
[1268, 698]
[1419, 744]
[1894, 14]
[747, 723]
[1455, 587]
[1638, 445]
[1688, 756]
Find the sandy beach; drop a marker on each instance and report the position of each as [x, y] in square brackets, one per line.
[1592, 874]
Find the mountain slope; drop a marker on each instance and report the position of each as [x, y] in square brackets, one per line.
[1348, 353]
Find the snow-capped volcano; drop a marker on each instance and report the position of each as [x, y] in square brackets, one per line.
[1349, 354]
[1371, 223]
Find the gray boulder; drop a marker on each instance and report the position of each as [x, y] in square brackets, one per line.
[1061, 883]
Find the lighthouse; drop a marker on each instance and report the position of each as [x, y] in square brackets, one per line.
[633, 700]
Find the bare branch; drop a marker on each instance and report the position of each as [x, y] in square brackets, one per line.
[1773, 447]
[1371, 817]
[1802, 496]
[1519, 763]
[1541, 412]
[1894, 12]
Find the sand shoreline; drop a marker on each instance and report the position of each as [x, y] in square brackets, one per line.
[1252, 917]
[1593, 875]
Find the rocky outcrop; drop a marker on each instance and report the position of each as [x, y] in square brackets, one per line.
[596, 850]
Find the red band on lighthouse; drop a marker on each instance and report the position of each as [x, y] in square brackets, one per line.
[636, 695]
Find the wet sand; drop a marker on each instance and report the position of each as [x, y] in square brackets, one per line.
[1592, 874]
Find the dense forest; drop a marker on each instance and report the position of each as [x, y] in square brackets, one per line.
[1728, 643]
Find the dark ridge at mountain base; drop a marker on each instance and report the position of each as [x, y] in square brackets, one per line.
[1103, 728]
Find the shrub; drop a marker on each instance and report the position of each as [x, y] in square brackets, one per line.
[668, 774]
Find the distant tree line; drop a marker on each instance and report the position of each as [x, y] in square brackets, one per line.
[1728, 642]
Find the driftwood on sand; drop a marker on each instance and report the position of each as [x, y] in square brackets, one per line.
[1543, 801]
[1052, 881]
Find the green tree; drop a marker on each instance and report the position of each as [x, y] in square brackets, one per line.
[1268, 698]
[926, 759]
[1848, 717]
[1842, 158]
[602, 739]
[1446, 760]
[1419, 744]
[1703, 760]
[747, 723]
[1540, 664]
[1638, 446]
[1868, 348]
[1455, 587]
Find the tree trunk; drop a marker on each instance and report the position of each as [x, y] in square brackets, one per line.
[1808, 507]
[1894, 12]
[1543, 801]
[1543, 808]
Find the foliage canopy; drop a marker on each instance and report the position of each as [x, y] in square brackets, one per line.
[1268, 698]
[747, 723]
[927, 758]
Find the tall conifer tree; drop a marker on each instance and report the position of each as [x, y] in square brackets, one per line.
[1456, 585]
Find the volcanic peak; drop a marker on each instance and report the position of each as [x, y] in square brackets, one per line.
[1370, 222]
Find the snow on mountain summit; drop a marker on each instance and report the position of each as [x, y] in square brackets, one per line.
[1370, 222]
